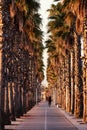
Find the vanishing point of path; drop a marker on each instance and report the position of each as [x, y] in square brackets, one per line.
[42, 117]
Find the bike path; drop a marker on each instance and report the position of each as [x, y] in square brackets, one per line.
[43, 117]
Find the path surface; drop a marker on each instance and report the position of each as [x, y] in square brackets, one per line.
[42, 117]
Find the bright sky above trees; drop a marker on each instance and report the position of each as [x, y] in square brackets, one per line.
[45, 5]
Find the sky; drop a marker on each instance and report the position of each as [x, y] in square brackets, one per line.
[45, 5]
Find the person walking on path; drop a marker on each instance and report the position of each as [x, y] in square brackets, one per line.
[49, 101]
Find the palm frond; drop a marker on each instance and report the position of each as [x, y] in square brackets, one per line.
[56, 0]
[37, 19]
[66, 2]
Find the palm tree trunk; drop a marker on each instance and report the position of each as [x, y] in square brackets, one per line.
[78, 80]
[60, 94]
[59, 86]
[68, 85]
[12, 101]
[16, 98]
[1, 92]
[72, 81]
[85, 68]
[6, 107]
[63, 85]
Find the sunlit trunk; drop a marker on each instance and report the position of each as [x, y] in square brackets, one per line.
[72, 82]
[68, 84]
[59, 86]
[63, 84]
[78, 79]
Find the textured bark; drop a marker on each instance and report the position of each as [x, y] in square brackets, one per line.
[85, 68]
[64, 84]
[68, 84]
[78, 79]
[1, 90]
[72, 81]
[59, 86]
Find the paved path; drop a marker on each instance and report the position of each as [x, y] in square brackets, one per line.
[42, 117]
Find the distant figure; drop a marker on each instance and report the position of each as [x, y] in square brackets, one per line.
[49, 101]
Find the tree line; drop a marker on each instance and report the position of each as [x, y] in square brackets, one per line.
[21, 65]
[67, 50]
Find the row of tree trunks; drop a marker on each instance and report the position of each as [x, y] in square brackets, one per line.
[70, 85]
